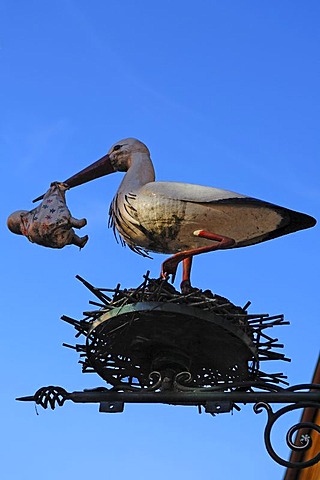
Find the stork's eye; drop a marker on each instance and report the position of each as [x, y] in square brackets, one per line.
[116, 147]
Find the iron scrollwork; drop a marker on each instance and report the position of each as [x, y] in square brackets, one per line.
[305, 438]
[50, 396]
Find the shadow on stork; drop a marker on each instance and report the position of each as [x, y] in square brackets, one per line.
[181, 218]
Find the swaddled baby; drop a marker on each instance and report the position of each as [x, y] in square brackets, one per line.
[51, 223]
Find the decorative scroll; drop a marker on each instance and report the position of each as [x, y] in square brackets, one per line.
[50, 396]
[305, 438]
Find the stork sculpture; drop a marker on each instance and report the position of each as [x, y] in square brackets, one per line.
[180, 218]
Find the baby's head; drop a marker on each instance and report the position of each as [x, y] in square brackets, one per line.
[14, 222]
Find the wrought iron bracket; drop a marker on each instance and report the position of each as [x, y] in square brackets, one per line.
[156, 345]
[213, 401]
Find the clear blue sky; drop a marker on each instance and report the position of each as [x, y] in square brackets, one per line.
[224, 93]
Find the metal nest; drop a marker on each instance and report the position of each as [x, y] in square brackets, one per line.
[194, 340]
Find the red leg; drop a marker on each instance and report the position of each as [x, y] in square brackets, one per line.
[185, 285]
[187, 264]
[169, 266]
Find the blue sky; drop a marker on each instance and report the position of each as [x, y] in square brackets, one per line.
[224, 94]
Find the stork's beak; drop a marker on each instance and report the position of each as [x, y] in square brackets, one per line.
[97, 169]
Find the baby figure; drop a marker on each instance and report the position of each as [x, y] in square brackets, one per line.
[50, 224]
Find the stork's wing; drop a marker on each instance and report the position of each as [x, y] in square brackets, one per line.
[188, 192]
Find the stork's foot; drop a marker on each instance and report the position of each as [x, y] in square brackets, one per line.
[169, 267]
[187, 288]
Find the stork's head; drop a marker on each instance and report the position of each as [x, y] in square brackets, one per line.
[121, 153]
[118, 159]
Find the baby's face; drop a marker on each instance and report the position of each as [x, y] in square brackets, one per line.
[14, 221]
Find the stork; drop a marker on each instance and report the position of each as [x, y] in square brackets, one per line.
[180, 218]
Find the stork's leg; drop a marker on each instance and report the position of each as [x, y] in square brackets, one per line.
[185, 285]
[169, 266]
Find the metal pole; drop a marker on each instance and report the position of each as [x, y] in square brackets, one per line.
[192, 398]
